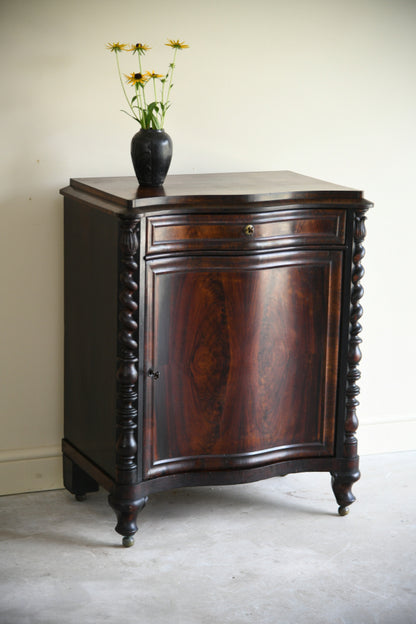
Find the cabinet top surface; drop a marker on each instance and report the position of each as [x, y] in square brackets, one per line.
[224, 188]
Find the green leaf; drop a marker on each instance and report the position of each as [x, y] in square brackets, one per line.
[153, 106]
[123, 111]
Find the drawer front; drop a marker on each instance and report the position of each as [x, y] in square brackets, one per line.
[267, 230]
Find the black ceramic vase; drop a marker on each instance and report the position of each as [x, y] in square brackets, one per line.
[151, 153]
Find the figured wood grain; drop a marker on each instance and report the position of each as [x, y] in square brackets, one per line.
[247, 350]
[169, 234]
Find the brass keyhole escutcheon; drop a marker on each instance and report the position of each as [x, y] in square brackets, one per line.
[248, 230]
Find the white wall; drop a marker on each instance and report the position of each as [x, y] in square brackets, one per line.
[323, 87]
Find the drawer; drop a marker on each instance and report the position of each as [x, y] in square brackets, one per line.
[266, 230]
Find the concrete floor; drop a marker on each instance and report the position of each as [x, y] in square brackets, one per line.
[269, 552]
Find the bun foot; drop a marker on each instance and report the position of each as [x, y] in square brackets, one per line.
[343, 511]
[81, 497]
[128, 540]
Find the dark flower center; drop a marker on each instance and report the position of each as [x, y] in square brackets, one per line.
[138, 76]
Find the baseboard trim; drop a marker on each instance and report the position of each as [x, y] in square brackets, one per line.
[30, 470]
[387, 435]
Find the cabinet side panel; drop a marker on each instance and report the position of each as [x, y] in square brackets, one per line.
[90, 332]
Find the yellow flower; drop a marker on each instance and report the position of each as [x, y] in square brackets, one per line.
[153, 75]
[116, 47]
[140, 48]
[134, 79]
[179, 45]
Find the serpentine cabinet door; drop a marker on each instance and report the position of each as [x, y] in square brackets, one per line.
[242, 359]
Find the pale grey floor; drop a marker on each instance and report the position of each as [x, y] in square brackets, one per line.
[270, 552]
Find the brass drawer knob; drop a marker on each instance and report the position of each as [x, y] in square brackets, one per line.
[248, 230]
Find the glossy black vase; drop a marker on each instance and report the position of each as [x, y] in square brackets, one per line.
[151, 153]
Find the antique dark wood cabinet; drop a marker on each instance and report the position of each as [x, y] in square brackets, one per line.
[211, 333]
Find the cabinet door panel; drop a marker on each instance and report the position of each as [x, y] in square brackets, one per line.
[247, 354]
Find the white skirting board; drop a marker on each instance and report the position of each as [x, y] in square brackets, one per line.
[387, 435]
[30, 470]
[33, 470]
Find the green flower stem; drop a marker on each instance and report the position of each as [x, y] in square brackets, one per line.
[154, 88]
[141, 71]
[122, 86]
[162, 101]
[139, 103]
[171, 69]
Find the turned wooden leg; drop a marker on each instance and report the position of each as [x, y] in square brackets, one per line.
[76, 480]
[342, 487]
[126, 512]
